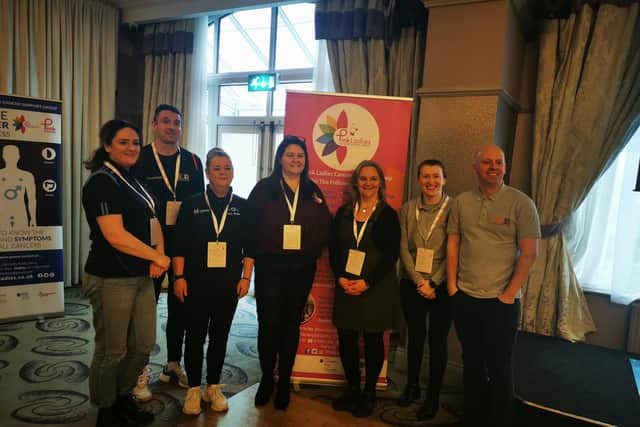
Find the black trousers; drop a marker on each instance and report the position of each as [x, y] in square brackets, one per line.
[350, 357]
[208, 315]
[416, 309]
[487, 329]
[281, 291]
[176, 324]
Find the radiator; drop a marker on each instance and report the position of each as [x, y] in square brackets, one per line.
[633, 338]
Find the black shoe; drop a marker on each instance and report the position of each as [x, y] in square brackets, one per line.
[128, 407]
[348, 400]
[283, 394]
[409, 395]
[264, 392]
[110, 417]
[428, 409]
[365, 405]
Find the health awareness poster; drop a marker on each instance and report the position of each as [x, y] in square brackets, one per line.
[31, 276]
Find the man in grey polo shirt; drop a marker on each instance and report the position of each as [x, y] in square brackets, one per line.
[491, 246]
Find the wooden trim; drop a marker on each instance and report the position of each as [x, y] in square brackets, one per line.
[505, 96]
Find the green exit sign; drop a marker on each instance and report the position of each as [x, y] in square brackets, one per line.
[262, 82]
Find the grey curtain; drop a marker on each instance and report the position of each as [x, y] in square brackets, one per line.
[167, 50]
[376, 47]
[64, 49]
[588, 95]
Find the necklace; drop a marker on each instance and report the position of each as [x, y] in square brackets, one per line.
[366, 209]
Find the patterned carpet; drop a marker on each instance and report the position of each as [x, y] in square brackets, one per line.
[44, 370]
[44, 367]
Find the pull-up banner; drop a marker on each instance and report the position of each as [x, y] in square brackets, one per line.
[31, 278]
[341, 130]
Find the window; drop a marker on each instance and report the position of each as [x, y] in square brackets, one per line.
[246, 124]
[603, 236]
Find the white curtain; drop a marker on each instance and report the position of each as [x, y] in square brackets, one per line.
[322, 77]
[196, 123]
[603, 235]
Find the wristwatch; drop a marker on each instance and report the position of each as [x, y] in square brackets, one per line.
[178, 276]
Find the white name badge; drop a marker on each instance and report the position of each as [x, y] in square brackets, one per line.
[292, 237]
[217, 255]
[173, 208]
[355, 261]
[424, 260]
[154, 228]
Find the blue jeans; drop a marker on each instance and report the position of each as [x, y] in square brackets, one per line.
[124, 319]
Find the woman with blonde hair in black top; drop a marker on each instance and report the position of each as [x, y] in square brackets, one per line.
[363, 249]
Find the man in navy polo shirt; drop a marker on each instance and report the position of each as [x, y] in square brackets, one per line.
[173, 174]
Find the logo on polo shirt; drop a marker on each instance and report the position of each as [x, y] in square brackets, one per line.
[501, 221]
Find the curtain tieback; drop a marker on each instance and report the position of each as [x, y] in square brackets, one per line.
[550, 230]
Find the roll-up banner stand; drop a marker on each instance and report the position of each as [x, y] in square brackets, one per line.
[341, 130]
[31, 276]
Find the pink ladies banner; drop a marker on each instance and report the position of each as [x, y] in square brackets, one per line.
[341, 130]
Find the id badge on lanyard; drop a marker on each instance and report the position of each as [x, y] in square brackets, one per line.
[217, 255]
[173, 208]
[292, 237]
[355, 262]
[291, 233]
[424, 256]
[154, 228]
[356, 257]
[424, 260]
[217, 251]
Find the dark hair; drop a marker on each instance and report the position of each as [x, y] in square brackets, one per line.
[287, 141]
[108, 131]
[356, 173]
[431, 162]
[166, 107]
[216, 152]
[307, 187]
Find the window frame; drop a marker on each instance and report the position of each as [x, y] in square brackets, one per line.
[216, 80]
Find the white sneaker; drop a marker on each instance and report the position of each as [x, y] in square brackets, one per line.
[192, 401]
[174, 371]
[141, 392]
[213, 394]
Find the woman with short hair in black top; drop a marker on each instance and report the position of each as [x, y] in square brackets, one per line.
[127, 251]
[363, 250]
[291, 223]
[212, 264]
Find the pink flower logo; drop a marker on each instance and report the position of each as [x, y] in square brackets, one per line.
[329, 129]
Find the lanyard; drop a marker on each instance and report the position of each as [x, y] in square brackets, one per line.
[164, 173]
[435, 220]
[146, 196]
[358, 235]
[218, 227]
[292, 207]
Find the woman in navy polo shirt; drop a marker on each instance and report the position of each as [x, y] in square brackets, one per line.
[127, 251]
[212, 264]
